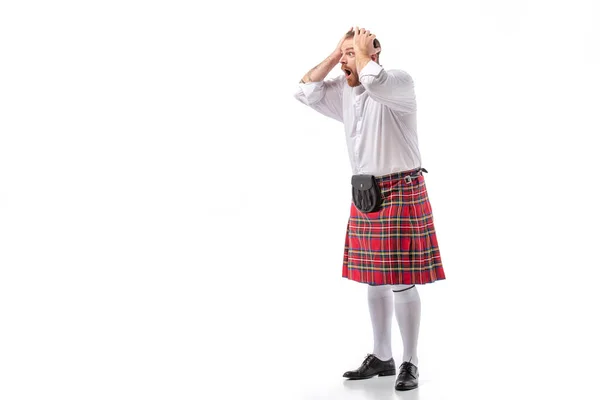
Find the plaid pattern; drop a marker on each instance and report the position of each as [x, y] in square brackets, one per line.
[397, 244]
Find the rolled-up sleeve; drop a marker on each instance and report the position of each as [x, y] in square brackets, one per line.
[394, 88]
[324, 97]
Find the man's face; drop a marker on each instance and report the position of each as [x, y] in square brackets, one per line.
[348, 63]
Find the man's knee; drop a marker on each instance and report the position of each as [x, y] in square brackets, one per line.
[402, 288]
[405, 293]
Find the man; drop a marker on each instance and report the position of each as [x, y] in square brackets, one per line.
[391, 243]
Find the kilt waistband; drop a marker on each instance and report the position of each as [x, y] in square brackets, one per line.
[407, 176]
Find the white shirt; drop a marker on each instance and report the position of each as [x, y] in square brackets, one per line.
[379, 116]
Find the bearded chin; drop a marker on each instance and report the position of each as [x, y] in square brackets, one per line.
[352, 80]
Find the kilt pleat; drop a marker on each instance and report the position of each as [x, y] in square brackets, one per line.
[398, 243]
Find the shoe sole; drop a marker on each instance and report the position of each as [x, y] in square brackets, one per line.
[383, 373]
[405, 389]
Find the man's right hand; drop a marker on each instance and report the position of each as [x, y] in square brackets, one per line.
[319, 72]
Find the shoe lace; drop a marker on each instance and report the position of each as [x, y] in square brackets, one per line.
[368, 359]
[405, 370]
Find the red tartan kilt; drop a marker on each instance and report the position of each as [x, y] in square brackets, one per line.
[397, 244]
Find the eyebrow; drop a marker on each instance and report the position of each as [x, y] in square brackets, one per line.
[349, 48]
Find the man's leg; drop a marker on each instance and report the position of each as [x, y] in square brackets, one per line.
[407, 304]
[381, 309]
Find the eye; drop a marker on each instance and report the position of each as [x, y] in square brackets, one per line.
[351, 53]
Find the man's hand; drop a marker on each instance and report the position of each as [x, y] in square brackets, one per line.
[363, 47]
[363, 42]
[319, 72]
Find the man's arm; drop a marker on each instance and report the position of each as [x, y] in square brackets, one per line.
[364, 47]
[324, 96]
[394, 89]
[318, 73]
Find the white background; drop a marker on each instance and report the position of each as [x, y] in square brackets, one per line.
[172, 219]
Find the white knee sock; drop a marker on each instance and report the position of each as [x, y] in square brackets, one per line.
[381, 309]
[407, 304]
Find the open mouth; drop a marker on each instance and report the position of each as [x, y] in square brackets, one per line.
[347, 71]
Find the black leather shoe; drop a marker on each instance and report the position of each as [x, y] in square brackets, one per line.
[372, 366]
[408, 378]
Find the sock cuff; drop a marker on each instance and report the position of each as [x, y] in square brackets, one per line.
[402, 290]
[407, 295]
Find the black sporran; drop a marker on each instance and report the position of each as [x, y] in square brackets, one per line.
[366, 195]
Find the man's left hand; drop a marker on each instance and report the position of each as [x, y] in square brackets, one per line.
[363, 42]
